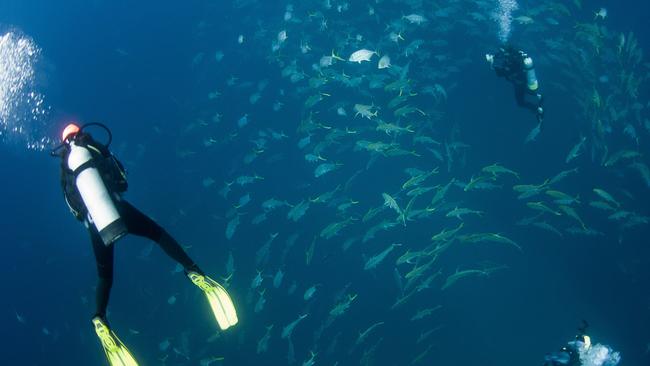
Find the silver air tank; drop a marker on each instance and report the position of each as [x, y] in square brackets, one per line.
[95, 196]
[531, 78]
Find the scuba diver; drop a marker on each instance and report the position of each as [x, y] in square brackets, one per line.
[93, 183]
[517, 67]
[581, 352]
[568, 355]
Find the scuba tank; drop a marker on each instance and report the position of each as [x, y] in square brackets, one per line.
[95, 195]
[531, 78]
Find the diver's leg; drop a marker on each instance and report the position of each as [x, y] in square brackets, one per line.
[104, 260]
[520, 97]
[537, 103]
[540, 99]
[540, 107]
[140, 224]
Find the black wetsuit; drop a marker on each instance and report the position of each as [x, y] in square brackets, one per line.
[508, 63]
[136, 222]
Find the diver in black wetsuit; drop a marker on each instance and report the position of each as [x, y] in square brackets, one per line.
[568, 355]
[93, 182]
[517, 67]
[581, 351]
[135, 222]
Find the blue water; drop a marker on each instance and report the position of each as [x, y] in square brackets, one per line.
[136, 68]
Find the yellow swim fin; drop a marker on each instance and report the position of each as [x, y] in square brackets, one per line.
[116, 353]
[220, 302]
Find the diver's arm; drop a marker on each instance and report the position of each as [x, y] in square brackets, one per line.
[70, 193]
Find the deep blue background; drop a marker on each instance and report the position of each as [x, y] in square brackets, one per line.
[48, 273]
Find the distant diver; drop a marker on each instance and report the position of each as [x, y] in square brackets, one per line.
[93, 183]
[581, 352]
[517, 67]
